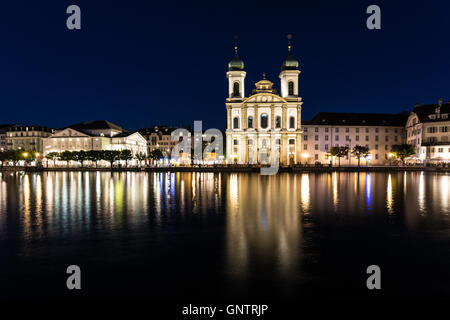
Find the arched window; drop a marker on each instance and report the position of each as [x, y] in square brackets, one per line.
[236, 92]
[236, 123]
[250, 122]
[292, 123]
[290, 88]
[264, 121]
[278, 122]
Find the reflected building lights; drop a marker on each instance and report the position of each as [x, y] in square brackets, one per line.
[421, 196]
[305, 193]
[369, 191]
[389, 198]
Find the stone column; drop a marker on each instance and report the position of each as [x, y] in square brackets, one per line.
[228, 118]
[272, 117]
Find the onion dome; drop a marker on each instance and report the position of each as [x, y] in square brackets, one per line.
[290, 63]
[236, 64]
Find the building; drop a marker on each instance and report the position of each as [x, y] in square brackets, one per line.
[428, 130]
[376, 131]
[95, 135]
[159, 137]
[19, 137]
[3, 130]
[264, 127]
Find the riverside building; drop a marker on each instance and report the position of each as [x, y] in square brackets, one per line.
[264, 127]
[95, 135]
[428, 130]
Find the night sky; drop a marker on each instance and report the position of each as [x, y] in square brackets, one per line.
[138, 63]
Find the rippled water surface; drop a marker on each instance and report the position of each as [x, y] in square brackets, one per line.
[224, 236]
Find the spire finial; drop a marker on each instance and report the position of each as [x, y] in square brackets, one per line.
[264, 76]
[289, 37]
[236, 37]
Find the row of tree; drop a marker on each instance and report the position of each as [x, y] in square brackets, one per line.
[18, 155]
[78, 156]
[399, 151]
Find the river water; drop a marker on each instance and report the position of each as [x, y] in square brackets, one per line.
[224, 236]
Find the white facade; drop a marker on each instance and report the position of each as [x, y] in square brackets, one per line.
[69, 139]
[263, 128]
[428, 130]
[318, 140]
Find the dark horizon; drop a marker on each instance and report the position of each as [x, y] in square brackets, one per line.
[140, 64]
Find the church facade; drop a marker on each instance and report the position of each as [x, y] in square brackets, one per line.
[264, 127]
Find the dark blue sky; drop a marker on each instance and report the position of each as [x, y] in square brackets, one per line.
[137, 63]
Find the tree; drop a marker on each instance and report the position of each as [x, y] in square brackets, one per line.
[82, 156]
[359, 152]
[156, 154]
[94, 156]
[66, 156]
[339, 152]
[3, 157]
[110, 156]
[27, 155]
[52, 156]
[141, 157]
[125, 155]
[403, 151]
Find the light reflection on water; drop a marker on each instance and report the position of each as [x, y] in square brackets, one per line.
[265, 220]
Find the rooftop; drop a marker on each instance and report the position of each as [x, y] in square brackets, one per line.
[358, 119]
[96, 125]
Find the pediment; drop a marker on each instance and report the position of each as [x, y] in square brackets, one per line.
[69, 132]
[264, 98]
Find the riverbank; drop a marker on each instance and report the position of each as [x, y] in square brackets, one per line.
[231, 169]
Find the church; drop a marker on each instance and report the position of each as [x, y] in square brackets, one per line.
[265, 127]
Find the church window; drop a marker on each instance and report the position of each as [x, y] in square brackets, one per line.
[278, 122]
[291, 88]
[250, 122]
[292, 122]
[264, 121]
[236, 91]
[236, 123]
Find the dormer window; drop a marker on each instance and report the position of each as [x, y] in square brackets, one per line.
[432, 116]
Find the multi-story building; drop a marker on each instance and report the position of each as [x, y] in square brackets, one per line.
[159, 137]
[19, 137]
[428, 130]
[95, 135]
[3, 130]
[376, 131]
[264, 127]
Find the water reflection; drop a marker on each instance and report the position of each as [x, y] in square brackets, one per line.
[262, 218]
